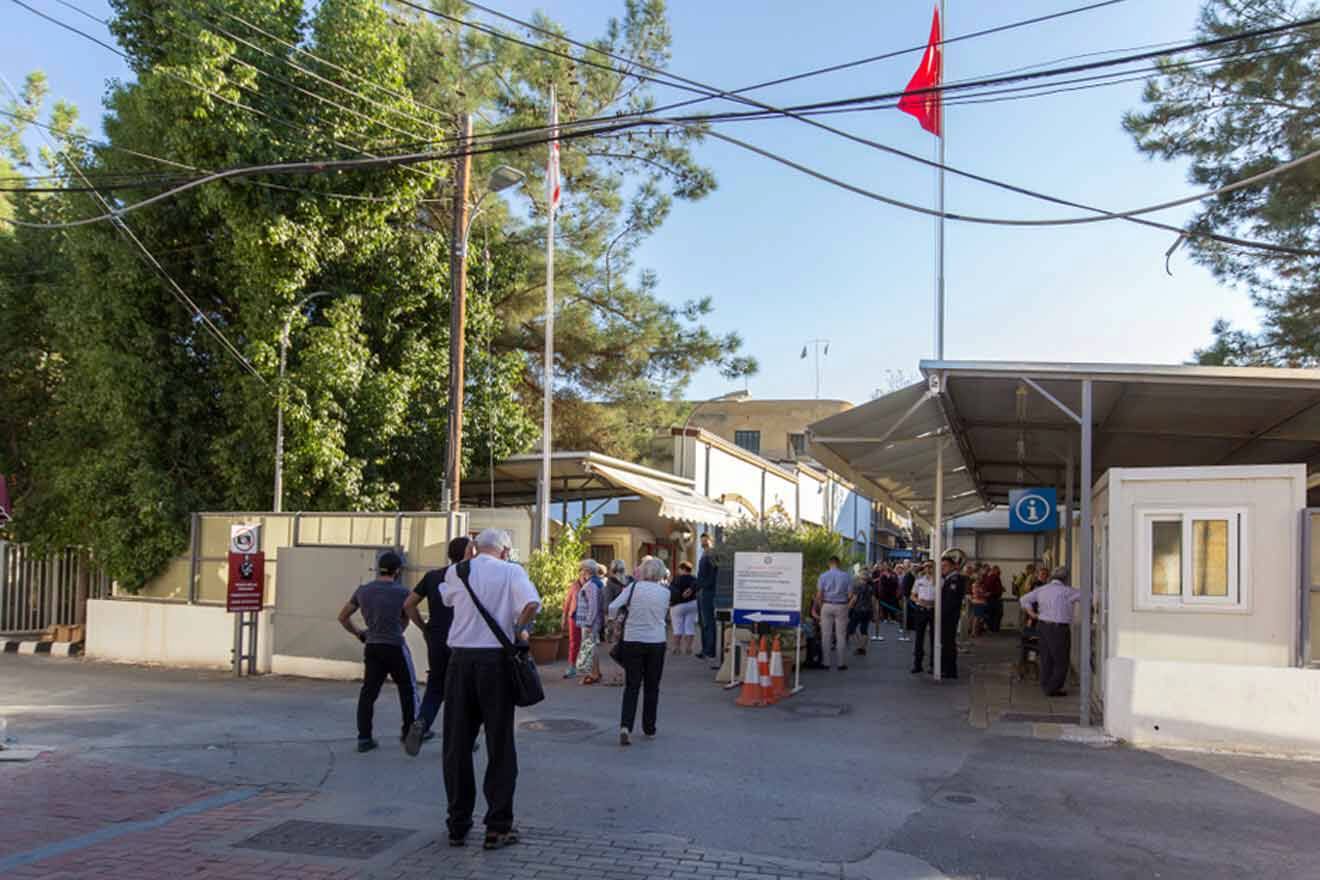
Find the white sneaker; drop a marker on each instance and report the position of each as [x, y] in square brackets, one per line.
[624, 739]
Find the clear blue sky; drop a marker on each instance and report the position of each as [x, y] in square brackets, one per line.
[787, 258]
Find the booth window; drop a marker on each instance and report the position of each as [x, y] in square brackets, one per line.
[1192, 558]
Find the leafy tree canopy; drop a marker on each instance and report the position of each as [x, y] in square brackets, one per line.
[1244, 108]
[122, 411]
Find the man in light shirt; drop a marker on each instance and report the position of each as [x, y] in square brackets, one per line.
[479, 689]
[1053, 605]
[834, 586]
[922, 601]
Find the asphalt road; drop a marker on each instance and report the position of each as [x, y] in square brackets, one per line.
[867, 762]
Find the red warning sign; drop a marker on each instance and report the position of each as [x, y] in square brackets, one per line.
[247, 582]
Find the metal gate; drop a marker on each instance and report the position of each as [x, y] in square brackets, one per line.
[1308, 636]
[38, 591]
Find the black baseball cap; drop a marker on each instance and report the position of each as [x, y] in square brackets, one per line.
[388, 562]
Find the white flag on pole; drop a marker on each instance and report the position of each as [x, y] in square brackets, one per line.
[552, 166]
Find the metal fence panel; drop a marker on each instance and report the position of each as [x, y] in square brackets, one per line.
[37, 592]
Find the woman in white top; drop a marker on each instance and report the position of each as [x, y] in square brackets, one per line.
[647, 601]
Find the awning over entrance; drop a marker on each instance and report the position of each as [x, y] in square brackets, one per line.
[580, 476]
[889, 444]
[676, 502]
[1017, 424]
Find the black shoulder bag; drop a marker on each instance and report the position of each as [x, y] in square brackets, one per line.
[527, 689]
[616, 650]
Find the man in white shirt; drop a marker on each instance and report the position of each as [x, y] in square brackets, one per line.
[479, 688]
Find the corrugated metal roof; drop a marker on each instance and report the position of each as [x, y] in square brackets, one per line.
[1009, 434]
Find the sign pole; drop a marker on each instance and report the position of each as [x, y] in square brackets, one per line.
[797, 660]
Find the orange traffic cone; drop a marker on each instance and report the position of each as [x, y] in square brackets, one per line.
[751, 686]
[778, 686]
[768, 695]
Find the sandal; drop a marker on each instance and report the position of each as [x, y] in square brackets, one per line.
[591, 679]
[499, 840]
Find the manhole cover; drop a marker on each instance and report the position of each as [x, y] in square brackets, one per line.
[817, 710]
[557, 725]
[333, 839]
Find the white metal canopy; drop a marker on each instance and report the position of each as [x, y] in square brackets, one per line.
[578, 476]
[1007, 432]
[1018, 424]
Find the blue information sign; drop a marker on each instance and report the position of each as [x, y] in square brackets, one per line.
[745, 617]
[1033, 510]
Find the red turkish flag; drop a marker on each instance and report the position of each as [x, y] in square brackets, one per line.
[927, 105]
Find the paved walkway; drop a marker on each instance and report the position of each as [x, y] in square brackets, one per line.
[868, 773]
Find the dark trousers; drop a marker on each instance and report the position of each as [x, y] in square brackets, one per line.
[949, 642]
[1055, 655]
[437, 659]
[922, 618]
[996, 613]
[382, 661]
[478, 691]
[706, 608]
[643, 663]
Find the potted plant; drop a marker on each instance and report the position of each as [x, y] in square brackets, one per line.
[552, 570]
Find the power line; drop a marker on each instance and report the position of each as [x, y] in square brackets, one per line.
[347, 164]
[128, 233]
[105, 145]
[298, 128]
[791, 112]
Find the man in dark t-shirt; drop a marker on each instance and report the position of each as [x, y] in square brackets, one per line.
[384, 653]
[436, 628]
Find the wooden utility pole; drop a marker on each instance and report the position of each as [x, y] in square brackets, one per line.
[458, 314]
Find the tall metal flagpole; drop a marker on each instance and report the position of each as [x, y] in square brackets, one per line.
[552, 193]
[937, 666]
[939, 292]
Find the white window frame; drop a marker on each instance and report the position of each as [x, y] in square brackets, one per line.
[1239, 568]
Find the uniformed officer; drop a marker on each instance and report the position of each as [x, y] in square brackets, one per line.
[953, 588]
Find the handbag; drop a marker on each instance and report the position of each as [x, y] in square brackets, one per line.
[616, 649]
[527, 689]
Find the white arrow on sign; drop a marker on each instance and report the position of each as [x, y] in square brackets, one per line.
[761, 617]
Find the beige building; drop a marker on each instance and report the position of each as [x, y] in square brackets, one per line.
[773, 429]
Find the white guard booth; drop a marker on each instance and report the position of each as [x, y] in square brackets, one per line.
[1197, 600]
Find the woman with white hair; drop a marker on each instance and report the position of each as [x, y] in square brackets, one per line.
[589, 618]
[643, 607]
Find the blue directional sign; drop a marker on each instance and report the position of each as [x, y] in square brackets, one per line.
[744, 617]
[1033, 510]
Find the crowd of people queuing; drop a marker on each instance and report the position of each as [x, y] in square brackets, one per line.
[622, 624]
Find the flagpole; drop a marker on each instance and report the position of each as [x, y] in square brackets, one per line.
[939, 293]
[548, 391]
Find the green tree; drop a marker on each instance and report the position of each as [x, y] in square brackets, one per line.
[1252, 108]
[127, 412]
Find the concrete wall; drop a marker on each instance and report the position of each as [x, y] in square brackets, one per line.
[1241, 708]
[308, 638]
[1261, 634]
[170, 633]
[811, 498]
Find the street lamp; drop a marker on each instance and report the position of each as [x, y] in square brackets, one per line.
[502, 178]
[279, 404]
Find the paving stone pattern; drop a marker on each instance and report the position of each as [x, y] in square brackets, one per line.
[58, 799]
[547, 852]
